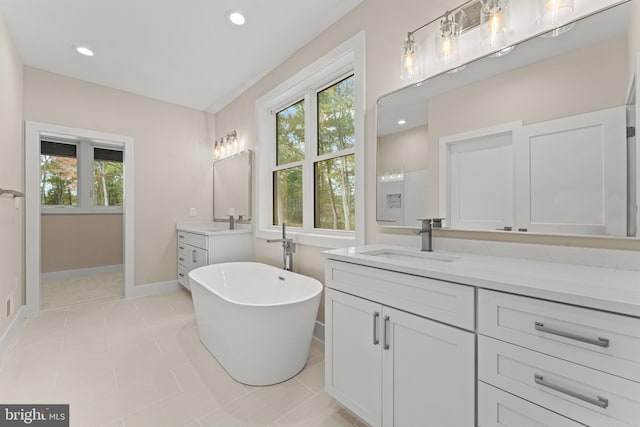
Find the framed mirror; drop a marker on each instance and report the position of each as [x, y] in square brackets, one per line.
[530, 141]
[232, 187]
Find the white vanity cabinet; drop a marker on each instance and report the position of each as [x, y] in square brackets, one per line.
[537, 359]
[386, 361]
[200, 246]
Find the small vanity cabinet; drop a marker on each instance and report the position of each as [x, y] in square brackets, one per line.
[538, 359]
[199, 245]
[399, 347]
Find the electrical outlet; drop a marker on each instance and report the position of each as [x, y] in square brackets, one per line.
[192, 212]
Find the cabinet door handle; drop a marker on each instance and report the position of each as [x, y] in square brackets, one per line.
[600, 342]
[193, 256]
[376, 340]
[385, 344]
[597, 401]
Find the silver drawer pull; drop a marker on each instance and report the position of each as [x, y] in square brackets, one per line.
[376, 340]
[180, 236]
[181, 248]
[600, 342]
[598, 401]
[385, 344]
[181, 259]
[181, 274]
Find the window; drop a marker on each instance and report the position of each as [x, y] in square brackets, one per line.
[108, 177]
[58, 174]
[80, 175]
[309, 156]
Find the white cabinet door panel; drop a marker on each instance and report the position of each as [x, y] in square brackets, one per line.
[352, 358]
[569, 177]
[476, 178]
[428, 372]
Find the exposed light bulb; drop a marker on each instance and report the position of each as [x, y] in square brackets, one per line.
[494, 19]
[409, 67]
[553, 11]
[447, 40]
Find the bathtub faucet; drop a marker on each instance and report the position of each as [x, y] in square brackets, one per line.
[288, 249]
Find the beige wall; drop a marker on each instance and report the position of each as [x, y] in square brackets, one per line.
[173, 157]
[385, 24]
[633, 45]
[407, 150]
[11, 177]
[71, 242]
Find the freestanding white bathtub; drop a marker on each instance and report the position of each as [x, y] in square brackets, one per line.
[255, 319]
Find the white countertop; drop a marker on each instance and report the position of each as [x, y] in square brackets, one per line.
[606, 289]
[208, 228]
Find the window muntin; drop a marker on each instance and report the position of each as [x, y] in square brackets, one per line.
[108, 177]
[290, 134]
[58, 174]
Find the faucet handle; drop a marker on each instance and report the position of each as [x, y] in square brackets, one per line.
[437, 222]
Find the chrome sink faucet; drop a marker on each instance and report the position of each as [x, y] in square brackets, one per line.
[426, 231]
[288, 249]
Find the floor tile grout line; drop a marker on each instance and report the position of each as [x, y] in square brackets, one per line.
[175, 377]
[277, 420]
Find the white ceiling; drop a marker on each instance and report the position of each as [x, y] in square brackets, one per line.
[180, 51]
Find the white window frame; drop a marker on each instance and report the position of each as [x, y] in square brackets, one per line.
[346, 59]
[84, 161]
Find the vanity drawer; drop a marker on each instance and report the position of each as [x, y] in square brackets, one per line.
[183, 279]
[604, 341]
[497, 408]
[586, 395]
[193, 239]
[446, 302]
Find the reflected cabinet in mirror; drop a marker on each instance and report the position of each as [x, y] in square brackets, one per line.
[232, 187]
[534, 141]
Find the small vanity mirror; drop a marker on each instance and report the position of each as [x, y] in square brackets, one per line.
[232, 186]
[530, 140]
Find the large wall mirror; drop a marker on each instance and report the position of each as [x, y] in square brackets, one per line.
[530, 141]
[232, 186]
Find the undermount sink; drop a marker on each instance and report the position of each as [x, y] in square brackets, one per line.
[413, 256]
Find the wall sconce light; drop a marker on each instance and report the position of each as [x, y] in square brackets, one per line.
[226, 146]
[447, 39]
[553, 11]
[494, 21]
[410, 59]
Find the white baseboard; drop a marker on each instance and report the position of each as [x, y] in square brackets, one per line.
[10, 334]
[152, 289]
[318, 331]
[56, 275]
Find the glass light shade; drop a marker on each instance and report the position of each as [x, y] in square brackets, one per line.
[553, 11]
[494, 22]
[410, 59]
[447, 40]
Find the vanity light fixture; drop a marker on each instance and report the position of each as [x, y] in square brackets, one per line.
[226, 146]
[494, 21]
[559, 31]
[447, 39]
[410, 66]
[553, 11]
[503, 52]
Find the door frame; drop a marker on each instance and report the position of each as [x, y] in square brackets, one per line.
[33, 133]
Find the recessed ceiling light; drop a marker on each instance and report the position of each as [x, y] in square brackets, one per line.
[83, 50]
[402, 122]
[236, 18]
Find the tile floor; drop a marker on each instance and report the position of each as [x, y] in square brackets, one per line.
[81, 289]
[139, 362]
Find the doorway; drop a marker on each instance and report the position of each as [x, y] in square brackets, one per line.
[89, 141]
